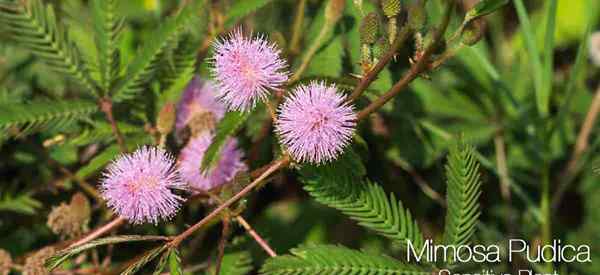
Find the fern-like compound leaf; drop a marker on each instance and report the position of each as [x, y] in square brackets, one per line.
[464, 189]
[333, 260]
[34, 26]
[144, 66]
[340, 185]
[23, 119]
[108, 26]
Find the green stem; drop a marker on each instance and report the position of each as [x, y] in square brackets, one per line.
[546, 213]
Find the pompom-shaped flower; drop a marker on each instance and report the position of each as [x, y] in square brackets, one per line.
[139, 186]
[198, 99]
[246, 69]
[315, 124]
[191, 157]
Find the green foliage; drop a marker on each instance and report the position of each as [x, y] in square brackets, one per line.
[175, 262]
[23, 119]
[235, 263]
[107, 25]
[145, 259]
[19, 203]
[483, 8]
[146, 63]
[61, 256]
[463, 191]
[178, 69]
[34, 25]
[241, 8]
[230, 124]
[329, 259]
[340, 186]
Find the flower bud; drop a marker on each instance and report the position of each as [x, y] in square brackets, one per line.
[417, 16]
[5, 262]
[381, 47]
[369, 28]
[391, 8]
[334, 11]
[595, 48]
[473, 32]
[166, 119]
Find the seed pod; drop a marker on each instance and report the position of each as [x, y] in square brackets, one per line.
[391, 8]
[473, 32]
[369, 28]
[334, 11]
[166, 119]
[5, 262]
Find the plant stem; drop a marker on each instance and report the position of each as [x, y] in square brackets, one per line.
[106, 106]
[280, 163]
[545, 209]
[222, 242]
[99, 232]
[375, 70]
[265, 246]
[581, 146]
[415, 70]
[297, 28]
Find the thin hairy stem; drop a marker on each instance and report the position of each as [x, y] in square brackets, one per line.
[368, 78]
[415, 70]
[581, 145]
[222, 242]
[280, 163]
[100, 231]
[259, 240]
[107, 107]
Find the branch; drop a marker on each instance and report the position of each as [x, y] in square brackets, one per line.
[106, 107]
[372, 74]
[280, 163]
[99, 232]
[415, 70]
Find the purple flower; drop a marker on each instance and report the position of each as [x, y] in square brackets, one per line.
[138, 186]
[246, 69]
[199, 97]
[191, 157]
[314, 123]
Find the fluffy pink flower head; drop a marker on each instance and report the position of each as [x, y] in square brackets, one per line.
[199, 96]
[246, 69]
[138, 186]
[315, 124]
[191, 157]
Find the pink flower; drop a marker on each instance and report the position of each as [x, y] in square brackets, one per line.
[190, 161]
[246, 69]
[138, 186]
[315, 124]
[199, 97]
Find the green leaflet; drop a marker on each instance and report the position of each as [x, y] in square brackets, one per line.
[20, 203]
[226, 128]
[143, 67]
[241, 8]
[463, 191]
[235, 263]
[24, 119]
[33, 25]
[340, 186]
[333, 260]
[107, 25]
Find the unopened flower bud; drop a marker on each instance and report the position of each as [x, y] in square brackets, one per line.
[369, 28]
[380, 48]
[5, 262]
[334, 11]
[417, 16]
[34, 264]
[391, 8]
[166, 119]
[595, 48]
[473, 32]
